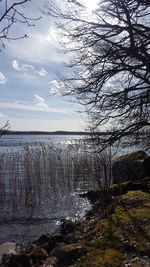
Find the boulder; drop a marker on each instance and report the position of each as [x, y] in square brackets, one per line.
[53, 240]
[42, 239]
[129, 167]
[66, 255]
[38, 255]
[67, 226]
[15, 261]
[8, 248]
[146, 166]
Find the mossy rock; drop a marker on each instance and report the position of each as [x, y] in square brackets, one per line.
[21, 260]
[67, 254]
[101, 258]
[135, 156]
[93, 195]
[123, 188]
[129, 167]
[122, 235]
[146, 166]
[37, 255]
[105, 196]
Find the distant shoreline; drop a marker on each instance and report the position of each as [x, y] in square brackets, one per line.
[60, 133]
[47, 133]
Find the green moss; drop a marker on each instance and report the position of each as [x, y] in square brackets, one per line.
[135, 156]
[127, 227]
[123, 188]
[100, 257]
[122, 233]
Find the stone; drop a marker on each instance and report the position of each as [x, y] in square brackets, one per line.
[67, 227]
[128, 167]
[53, 240]
[69, 238]
[38, 255]
[146, 166]
[50, 262]
[21, 260]
[8, 248]
[43, 238]
[67, 255]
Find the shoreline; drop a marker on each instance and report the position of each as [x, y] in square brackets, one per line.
[79, 243]
[114, 232]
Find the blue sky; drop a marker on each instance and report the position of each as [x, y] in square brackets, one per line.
[28, 79]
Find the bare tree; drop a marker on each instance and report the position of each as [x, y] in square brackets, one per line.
[11, 12]
[109, 51]
[4, 129]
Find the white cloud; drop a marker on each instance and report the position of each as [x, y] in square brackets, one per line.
[15, 65]
[43, 72]
[40, 48]
[57, 88]
[41, 102]
[37, 107]
[3, 78]
[28, 69]
[42, 105]
[39, 98]
[91, 5]
[2, 115]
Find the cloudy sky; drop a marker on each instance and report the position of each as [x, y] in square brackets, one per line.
[28, 79]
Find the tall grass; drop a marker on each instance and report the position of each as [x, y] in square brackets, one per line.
[39, 179]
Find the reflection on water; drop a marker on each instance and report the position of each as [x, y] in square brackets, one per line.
[41, 178]
[39, 185]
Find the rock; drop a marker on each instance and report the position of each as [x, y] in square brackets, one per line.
[128, 167]
[146, 166]
[67, 254]
[123, 188]
[53, 240]
[21, 260]
[69, 238]
[43, 239]
[8, 248]
[67, 227]
[38, 255]
[102, 197]
[50, 262]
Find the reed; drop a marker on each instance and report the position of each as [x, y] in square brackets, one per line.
[44, 175]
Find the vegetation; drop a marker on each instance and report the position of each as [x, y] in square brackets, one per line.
[35, 176]
[118, 235]
[109, 52]
[11, 14]
[122, 235]
[4, 129]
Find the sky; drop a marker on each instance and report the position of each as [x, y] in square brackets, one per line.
[28, 79]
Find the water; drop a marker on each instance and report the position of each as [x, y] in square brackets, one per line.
[41, 177]
[17, 142]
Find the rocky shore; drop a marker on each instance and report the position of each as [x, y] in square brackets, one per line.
[114, 233]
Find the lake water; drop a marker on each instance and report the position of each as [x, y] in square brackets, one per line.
[41, 177]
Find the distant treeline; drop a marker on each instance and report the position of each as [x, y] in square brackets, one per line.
[62, 133]
[49, 133]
